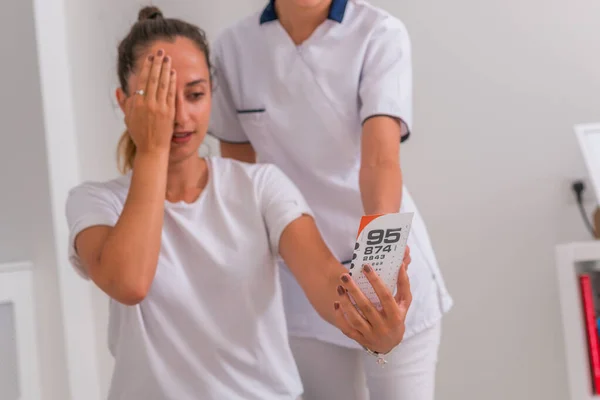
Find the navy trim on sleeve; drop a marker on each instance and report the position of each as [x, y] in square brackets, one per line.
[226, 141]
[404, 137]
[251, 111]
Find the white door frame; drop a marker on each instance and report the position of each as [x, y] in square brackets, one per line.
[63, 174]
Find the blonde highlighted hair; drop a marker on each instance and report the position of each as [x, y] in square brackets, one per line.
[125, 153]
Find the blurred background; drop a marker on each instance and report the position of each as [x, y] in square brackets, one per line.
[498, 87]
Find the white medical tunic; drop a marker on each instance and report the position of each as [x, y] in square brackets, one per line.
[212, 326]
[302, 108]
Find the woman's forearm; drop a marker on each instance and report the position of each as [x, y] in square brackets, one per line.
[380, 176]
[130, 254]
[381, 188]
[323, 292]
[316, 269]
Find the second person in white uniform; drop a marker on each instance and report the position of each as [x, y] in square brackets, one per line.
[323, 89]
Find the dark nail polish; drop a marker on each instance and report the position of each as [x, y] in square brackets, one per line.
[166, 59]
[345, 278]
[160, 53]
[150, 57]
[172, 72]
[367, 269]
[341, 290]
[336, 305]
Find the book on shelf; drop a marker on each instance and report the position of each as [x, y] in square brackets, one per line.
[589, 283]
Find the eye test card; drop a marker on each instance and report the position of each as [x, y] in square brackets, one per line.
[380, 243]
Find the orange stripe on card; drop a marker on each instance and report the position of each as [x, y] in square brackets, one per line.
[365, 220]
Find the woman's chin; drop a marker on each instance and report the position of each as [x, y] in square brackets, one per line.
[182, 151]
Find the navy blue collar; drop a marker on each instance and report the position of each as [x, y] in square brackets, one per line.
[336, 11]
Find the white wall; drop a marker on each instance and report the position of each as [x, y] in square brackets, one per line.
[21, 151]
[498, 86]
[25, 215]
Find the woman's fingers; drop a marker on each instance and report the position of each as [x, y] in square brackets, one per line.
[344, 326]
[407, 259]
[142, 83]
[172, 91]
[403, 294]
[353, 317]
[386, 299]
[150, 118]
[164, 81]
[154, 76]
[364, 305]
[378, 328]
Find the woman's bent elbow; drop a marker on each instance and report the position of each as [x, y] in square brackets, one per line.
[132, 295]
[126, 291]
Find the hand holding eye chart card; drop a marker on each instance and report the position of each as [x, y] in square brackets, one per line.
[380, 243]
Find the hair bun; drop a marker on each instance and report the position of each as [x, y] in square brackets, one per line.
[149, 13]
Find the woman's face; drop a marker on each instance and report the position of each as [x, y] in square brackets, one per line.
[193, 99]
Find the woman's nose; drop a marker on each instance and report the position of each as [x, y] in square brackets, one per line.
[181, 112]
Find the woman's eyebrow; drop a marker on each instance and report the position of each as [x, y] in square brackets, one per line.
[197, 81]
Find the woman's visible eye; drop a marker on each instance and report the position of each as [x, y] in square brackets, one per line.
[196, 95]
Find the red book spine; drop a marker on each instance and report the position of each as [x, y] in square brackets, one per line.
[591, 328]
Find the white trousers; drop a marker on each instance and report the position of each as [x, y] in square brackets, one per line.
[331, 372]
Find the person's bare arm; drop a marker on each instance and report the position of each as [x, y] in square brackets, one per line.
[122, 260]
[238, 151]
[380, 176]
[316, 269]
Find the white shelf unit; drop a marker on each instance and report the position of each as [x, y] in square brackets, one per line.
[571, 260]
[18, 333]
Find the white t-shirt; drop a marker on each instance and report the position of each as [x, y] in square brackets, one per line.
[212, 325]
[302, 108]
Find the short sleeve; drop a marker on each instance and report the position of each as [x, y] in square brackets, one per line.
[224, 123]
[87, 205]
[385, 86]
[280, 201]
